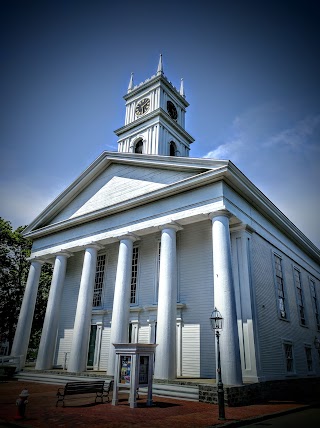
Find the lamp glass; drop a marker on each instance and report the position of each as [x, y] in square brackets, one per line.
[216, 320]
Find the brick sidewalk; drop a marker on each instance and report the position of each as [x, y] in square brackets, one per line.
[82, 412]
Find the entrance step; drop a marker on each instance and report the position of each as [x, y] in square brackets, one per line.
[172, 390]
[55, 378]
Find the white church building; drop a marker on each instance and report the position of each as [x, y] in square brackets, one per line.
[147, 241]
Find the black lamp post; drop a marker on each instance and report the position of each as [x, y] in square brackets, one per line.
[216, 324]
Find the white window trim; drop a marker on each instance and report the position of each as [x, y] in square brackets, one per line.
[288, 342]
[312, 279]
[94, 308]
[156, 270]
[286, 300]
[309, 346]
[136, 303]
[287, 319]
[296, 268]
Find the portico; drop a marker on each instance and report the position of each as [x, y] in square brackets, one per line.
[166, 315]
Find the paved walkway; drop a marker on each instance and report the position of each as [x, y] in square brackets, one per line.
[81, 411]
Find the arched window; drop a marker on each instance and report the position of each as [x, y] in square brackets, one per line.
[173, 149]
[139, 146]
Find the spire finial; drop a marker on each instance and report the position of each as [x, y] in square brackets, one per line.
[182, 88]
[160, 66]
[130, 87]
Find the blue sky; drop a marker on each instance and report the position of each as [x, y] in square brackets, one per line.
[251, 75]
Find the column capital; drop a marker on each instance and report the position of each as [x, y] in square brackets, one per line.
[63, 253]
[94, 245]
[220, 213]
[172, 225]
[242, 226]
[130, 236]
[36, 259]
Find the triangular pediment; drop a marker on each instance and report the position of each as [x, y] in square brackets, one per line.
[115, 178]
[118, 183]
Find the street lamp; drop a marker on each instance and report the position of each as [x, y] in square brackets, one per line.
[216, 324]
[317, 343]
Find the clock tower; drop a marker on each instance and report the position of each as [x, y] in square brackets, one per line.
[155, 118]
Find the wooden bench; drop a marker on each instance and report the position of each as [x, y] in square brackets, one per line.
[108, 389]
[85, 387]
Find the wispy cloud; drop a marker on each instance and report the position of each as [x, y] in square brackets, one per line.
[247, 130]
[267, 126]
[297, 135]
[225, 150]
[280, 154]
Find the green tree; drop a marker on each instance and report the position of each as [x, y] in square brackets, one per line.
[14, 269]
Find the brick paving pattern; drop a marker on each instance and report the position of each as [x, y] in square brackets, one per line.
[81, 411]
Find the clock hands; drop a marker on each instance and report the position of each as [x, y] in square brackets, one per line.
[143, 106]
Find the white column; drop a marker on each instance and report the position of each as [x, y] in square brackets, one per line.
[166, 363]
[82, 322]
[23, 330]
[51, 320]
[224, 298]
[248, 340]
[121, 300]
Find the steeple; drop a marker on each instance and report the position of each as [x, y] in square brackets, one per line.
[155, 118]
[130, 87]
[160, 66]
[182, 88]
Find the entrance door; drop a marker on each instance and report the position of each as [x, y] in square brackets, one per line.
[92, 345]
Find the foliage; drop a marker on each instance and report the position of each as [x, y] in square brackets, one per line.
[14, 269]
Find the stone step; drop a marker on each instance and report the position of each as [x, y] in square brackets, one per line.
[186, 392]
[58, 379]
[174, 391]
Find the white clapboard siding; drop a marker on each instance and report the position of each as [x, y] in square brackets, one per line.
[116, 184]
[144, 334]
[68, 307]
[196, 287]
[105, 343]
[271, 340]
[63, 349]
[191, 350]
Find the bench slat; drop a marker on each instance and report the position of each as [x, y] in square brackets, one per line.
[85, 387]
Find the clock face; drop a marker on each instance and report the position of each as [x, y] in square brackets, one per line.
[142, 106]
[172, 110]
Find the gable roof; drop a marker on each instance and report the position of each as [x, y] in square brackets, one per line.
[170, 175]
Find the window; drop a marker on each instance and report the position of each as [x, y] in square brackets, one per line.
[139, 146]
[158, 272]
[98, 286]
[309, 358]
[288, 352]
[280, 287]
[173, 149]
[130, 332]
[134, 276]
[300, 301]
[315, 302]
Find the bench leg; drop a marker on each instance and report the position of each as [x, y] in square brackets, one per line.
[99, 395]
[60, 398]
